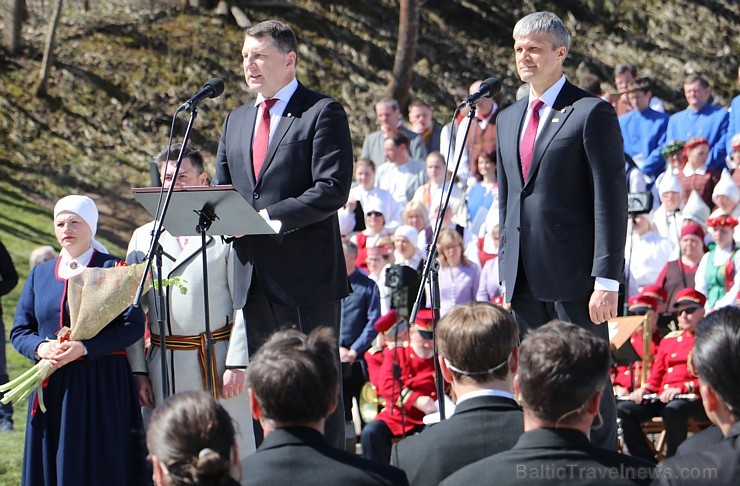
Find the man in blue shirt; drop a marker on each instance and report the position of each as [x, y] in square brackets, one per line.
[701, 119]
[644, 129]
[360, 310]
[734, 124]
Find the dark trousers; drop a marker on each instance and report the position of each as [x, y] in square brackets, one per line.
[264, 317]
[532, 313]
[675, 417]
[353, 379]
[6, 411]
[377, 441]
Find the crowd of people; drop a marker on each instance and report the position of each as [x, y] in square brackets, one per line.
[551, 198]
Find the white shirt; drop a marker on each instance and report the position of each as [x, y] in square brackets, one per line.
[277, 110]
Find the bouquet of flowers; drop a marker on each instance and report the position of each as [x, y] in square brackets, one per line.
[95, 297]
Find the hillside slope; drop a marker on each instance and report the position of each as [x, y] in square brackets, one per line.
[121, 71]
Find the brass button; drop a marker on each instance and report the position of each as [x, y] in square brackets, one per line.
[670, 370]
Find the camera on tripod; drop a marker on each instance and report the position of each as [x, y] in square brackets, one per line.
[639, 203]
[404, 282]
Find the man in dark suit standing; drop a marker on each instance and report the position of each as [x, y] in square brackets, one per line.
[289, 154]
[561, 376]
[478, 350]
[563, 202]
[292, 382]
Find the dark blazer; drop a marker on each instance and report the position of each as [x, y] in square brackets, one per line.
[300, 455]
[479, 428]
[550, 456]
[717, 463]
[568, 220]
[305, 178]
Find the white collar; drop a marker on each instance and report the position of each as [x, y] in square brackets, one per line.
[549, 96]
[483, 393]
[69, 267]
[283, 95]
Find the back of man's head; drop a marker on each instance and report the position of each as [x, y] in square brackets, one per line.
[477, 340]
[294, 377]
[561, 367]
[716, 357]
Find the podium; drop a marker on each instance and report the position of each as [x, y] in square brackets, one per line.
[233, 214]
[197, 211]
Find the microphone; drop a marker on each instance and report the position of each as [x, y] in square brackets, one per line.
[487, 89]
[212, 89]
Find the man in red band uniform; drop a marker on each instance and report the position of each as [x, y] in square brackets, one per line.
[670, 376]
[392, 332]
[409, 393]
[625, 376]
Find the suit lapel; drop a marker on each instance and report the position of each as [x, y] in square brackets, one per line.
[512, 135]
[559, 113]
[286, 120]
[246, 130]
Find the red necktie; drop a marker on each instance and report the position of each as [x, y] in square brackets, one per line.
[526, 146]
[262, 138]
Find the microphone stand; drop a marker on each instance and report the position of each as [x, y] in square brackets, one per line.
[625, 305]
[431, 267]
[151, 253]
[206, 217]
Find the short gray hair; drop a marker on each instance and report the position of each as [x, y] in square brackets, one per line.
[544, 23]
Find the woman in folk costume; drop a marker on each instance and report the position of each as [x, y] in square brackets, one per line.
[91, 432]
[726, 196]
[667, 218]
[374, 230]
[695, 175]
[717, 275]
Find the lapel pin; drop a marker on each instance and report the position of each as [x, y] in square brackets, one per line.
[289, 115]
[562, 111]
[555, 120]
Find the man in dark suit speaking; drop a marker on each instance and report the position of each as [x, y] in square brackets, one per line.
[562, 193]
[289, 154]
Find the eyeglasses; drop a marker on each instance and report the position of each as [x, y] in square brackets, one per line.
[374, 213]
[688, 310]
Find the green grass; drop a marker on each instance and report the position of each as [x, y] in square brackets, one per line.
[25, 226]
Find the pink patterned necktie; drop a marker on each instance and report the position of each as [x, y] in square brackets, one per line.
[526, 146]
[262, 138]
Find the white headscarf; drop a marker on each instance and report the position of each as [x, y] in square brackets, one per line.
[85, 208]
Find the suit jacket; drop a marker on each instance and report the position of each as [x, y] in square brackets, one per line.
[300, 455]
[304, 180]
[567, 222]
[479, 428]
[719, 463]
[550, 456]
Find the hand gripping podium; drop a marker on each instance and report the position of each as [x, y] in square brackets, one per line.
[198, 210]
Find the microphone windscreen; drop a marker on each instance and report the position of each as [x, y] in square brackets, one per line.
[494, 86]
[217, 85]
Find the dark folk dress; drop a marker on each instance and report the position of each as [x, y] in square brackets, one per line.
[92, 432]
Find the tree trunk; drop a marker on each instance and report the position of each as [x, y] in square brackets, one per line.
[408, 32]
[48, 60]
[13, 22]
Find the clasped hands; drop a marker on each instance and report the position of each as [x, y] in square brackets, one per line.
[59, 354]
